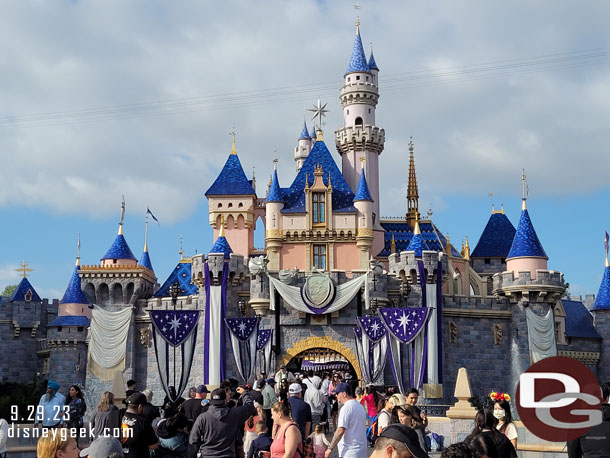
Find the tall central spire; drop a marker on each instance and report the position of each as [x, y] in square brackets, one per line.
[412, 191]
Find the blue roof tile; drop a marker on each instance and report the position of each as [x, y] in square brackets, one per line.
[275, 192]
[372, 64]
[22, 289]
[602, 301]
[181, 274]
[417, 245]
[74, 294]
[145, 261]
[70, 320]
[231, 181]
[363, 190]
[119, 250]
[294, 196]
[222, 246]
[496, 239]
[305, 133]
[579, 321]
[357, 62]
[403, 234]
[526, 241]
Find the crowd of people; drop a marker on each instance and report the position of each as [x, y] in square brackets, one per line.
[285, 416]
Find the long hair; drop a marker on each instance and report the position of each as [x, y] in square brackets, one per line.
[484, 419]
[508, 418]
[48, 445]
[483, 445]
[79, 392]
[370, 389]
[106, 401]
[395, 419]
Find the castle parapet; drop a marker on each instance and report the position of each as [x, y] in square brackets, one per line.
[405, 263]
[371, 137]
[546, 286]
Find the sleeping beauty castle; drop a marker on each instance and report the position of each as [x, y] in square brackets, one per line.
[337, 286]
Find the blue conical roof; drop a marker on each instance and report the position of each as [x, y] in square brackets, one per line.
[304, 133]
[22, 289]
[182, 275]
[357, 62]
[602, 301]
[119, 250]
[74, 294]
[275, 192]
[145, 261]
[526, 241]
[416, 244]
[222, 246]
[372, 64]
[231, 181]
[363, 190]
[497, 238]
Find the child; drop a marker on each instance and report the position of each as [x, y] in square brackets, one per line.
[262, 442]
[320, 443]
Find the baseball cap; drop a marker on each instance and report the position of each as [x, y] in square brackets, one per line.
[271, 381]
[102, 447]
[202, 389]
[295, 388]
[343, 388]
[407, 436]
[218, 397]
[283, 366]
[136, 399]
[260, 383]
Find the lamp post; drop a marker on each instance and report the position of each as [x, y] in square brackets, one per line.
[374, 305]
[241, 305]
[174, 291]
[405, 288]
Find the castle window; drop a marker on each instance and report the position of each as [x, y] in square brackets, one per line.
[240, 205]
[28, 295]
[367, 78]
[348, 79]
[114, 261]
[503, 260]
[358, 121]
[348, 112]
[59, 328]
[230, 204]
[79, 329]
[220, 205]
[319, 257]
[487, 261]
[357, 77]
[369, 110]
[319, 207]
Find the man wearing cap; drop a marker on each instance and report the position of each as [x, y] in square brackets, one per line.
[52, 403]
[269, 398]
[281, 375]
[192, 408]
[214, 431]
[350, 436]
[400, 439]
[137, 434]
[301, 411]
[103, 447]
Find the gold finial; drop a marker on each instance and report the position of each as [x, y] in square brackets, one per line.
[393, 245]
[306, 181]
[362, 159]
[526, 190]
[275, 161]
[357, 8]
[233, 133]
[146, 234]
[606, 243]
[466, 250]
[78, 251]
[319, 135]
[416, 230]
[447, 244]
[24, 269]
[122, 216]
[181, 252]
[222, 226]
[318, 171]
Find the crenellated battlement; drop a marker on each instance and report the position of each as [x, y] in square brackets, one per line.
[404, 264]
[238, 269]
[545, 286]
[370, 138]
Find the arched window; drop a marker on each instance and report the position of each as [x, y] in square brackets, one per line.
[358, 121]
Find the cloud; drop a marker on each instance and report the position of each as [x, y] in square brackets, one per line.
[9, 275]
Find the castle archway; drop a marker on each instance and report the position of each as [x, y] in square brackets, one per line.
[321, 347]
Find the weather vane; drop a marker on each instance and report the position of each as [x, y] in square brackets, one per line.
[24, 269]
[357, 8]
[319, 112]
[526, 190]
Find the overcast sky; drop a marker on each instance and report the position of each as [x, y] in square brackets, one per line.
[100, 99]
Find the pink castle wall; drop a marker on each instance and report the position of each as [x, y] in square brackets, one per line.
[517, 265]
[347, 256]
[293, 255]
[74, 309]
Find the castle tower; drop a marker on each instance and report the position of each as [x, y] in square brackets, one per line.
[360, 137]
[601, 316]
[145, 258]
[412, 192]
[364, 204]
[74, 301]
[273, 216]
[304, 145]
[232, 197]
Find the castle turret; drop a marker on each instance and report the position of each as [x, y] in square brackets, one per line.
[364, 204]
[273, 217]
[74, 302]
[145, 258]
[232, 197]
[601, 316]
[417, 244]
[305, 143]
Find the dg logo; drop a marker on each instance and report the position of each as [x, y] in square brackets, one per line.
[559, 399]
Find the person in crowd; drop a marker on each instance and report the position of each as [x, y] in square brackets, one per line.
[269, 398]
[192, 392]
[398, 441]
[325, 393]
[370, 400]
[263, 441]
[596, 442]
[402, 415]
[76, 407]
[485, 423]
[505, 421]
[3, 437]
[131, 389]
[214, 431]
[257, 392]
[385, 415]
[459, 450]
[138, 436]
[173, 437]
[301, 411]
[192, 408]
[52, 405]
[250, 432]
[57, 446]
[150, 412]
[350, 436]
[420, 420]
[283, 374]
[484, 446]
[358, 394]
[170, 408]
[283, 394]
[315, 399]
[103, 447]
[287, 440]
[319, 441]
[106, 418]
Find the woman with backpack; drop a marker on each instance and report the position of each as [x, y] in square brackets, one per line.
[287, 440]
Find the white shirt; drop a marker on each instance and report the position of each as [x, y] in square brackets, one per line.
[353, 419]
[383, 419]
[315, 400]
[325, 385]
[511, 430]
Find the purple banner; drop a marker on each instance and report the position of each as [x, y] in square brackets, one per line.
[404, 323]
[263, 337]
[175, 325]
[372, 326]
[242, 328]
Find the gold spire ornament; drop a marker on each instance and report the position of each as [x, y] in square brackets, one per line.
[24, 269]
[78, 251]
[357, 8]
[146, 235]
[466, 254]
[181, 252]
[222, 226]
[233, 133]
[416, 230]
[393, 245]
[122, 216]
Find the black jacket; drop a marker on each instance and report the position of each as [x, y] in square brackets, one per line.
[214, 431]
[596, 443]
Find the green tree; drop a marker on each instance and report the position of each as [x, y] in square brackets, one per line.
[8, 290]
